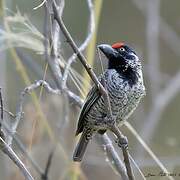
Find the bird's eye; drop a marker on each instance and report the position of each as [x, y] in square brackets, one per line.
[121, 49]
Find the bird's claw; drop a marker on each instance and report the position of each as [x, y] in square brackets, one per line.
[122, 142]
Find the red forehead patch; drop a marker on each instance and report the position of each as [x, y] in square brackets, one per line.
[117, 45]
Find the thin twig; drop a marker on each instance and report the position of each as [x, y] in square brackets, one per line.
[22, 148]
[37, 84]
[150, 152]
[55, 44]
[19, 114]
[66, 113]
[40, 5]
[46, 33]
[56, 30]
[137, 167]
[28, 89]
[1, 103]
[12, 155]
[48, 165]
[8, 112]
[106, 145]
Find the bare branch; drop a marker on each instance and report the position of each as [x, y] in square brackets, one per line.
[55, 45]
[12, 155]
[148, 150]
[56, 29]
[40, 5]
[22, 148]
[106, 145]
[8, 112]
[137, 167]
[27, 90]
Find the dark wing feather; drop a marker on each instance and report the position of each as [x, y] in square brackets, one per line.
[92, 97]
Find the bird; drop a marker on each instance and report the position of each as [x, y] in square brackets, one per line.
[123, 81]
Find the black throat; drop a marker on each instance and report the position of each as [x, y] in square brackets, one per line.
[127, 73]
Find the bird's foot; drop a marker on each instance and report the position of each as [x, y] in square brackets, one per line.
[122, 142]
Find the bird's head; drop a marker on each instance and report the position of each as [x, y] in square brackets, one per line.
[120, 56]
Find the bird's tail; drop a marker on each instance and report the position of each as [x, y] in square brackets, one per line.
[81, 147]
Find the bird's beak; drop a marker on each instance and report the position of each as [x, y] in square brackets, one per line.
[107, 50]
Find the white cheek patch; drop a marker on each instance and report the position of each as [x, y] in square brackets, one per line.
[135, 56]
[133, 63]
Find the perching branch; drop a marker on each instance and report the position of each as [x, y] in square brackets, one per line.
[148, 150]
[12, 155]
[109, 151]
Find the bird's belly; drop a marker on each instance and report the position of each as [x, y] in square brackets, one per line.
[128, 103]
[122, 105]
[126, 109]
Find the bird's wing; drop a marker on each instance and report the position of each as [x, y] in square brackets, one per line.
[92, 97]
